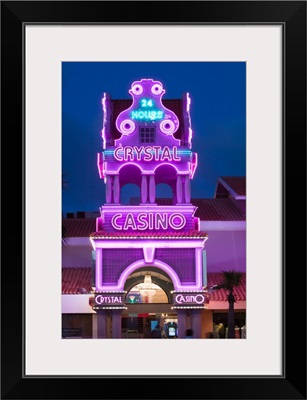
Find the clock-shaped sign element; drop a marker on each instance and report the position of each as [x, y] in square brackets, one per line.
[147, 107]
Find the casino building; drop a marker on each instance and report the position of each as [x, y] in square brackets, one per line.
[149, 257]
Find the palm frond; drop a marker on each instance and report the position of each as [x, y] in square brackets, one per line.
[231, 278]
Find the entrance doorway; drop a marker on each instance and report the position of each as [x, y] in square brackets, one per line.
[149, 303]
[141, 325]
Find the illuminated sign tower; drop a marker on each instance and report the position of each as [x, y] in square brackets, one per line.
[147, 142]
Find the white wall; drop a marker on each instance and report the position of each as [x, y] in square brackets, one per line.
[76, 304]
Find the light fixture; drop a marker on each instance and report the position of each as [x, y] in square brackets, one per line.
[147, 289]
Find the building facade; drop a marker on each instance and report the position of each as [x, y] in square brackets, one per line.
[148, 260]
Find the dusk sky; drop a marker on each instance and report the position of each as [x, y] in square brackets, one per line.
[218, 119]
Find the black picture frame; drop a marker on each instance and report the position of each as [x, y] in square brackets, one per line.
[292, 384]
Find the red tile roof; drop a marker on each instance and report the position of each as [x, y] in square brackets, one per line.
[149, 235]
[221, 294]
[78, 281]
[207, 210]
[79, 227]
[217, 210]
[212, 209]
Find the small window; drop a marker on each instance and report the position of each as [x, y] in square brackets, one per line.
[147, 134]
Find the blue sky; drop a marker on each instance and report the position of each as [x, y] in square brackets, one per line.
[218, 119]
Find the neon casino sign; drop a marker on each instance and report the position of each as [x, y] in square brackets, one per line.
[100, 299]
[188, 299]
[147, 111]
[183, 299]
[143, 221]
[147, 153]
[147, 107]
[108, 300]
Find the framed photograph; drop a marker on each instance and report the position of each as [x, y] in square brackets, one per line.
[51, 52]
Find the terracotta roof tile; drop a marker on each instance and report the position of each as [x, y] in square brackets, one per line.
[78, 281]
[221, 294]
[212, 209]
[207, 210]
[79, 227]
[217, 210]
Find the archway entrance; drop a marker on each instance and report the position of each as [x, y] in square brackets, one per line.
[149, 303]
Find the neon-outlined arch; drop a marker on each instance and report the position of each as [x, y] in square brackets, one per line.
[139, 264]
[184, 170]
[156, 264]
[129, 163]
[167, 164]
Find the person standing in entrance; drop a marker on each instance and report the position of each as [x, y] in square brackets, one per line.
[189, 333]
[156, 333]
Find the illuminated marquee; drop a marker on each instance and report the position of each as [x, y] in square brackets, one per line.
[108, 300]
[149, 221]
[147, 111]
[183, 299]
[187, 299]
[146, 153]
[147, 107]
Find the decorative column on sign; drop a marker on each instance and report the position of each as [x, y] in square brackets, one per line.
[109, 182]
[152, 189]
[179, 189]
[187, 189]
[116, 189]
[144, 189]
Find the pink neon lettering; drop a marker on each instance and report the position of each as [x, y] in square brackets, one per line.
[150, 221]
[107, 299]
[116, 155]
[175, 157]
[149, 152]
[148, 155]
[138, 151]
[142, 220]
[130, 223]
[156, 150]
[128, 153]
[113, 221]
[199, 299]
[175, 225]
[161, 221]
[166, 154]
